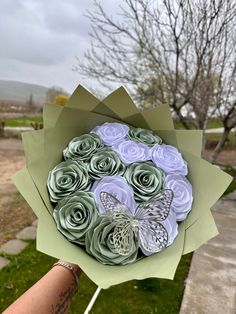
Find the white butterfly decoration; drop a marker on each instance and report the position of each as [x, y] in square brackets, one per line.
[143, 226]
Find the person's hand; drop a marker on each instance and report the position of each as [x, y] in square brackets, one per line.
[73, 268]
[52, 293]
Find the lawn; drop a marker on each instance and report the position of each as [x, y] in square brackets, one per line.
[23, 121]
[215, 137]
[145, 296]
[211, 124]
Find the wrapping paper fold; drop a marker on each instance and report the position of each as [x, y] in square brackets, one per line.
[43, 150]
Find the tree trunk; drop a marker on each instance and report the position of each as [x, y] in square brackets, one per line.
[204, 140]
[219, 146]
[203, 143]
[2, 125]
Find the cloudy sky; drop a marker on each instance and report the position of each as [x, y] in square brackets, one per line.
[40, 39]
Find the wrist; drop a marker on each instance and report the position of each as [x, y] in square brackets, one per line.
[74, 266]
[70, 267]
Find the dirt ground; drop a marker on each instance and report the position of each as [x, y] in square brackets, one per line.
[15, 213]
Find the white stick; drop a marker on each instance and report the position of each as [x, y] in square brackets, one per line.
[91, 303]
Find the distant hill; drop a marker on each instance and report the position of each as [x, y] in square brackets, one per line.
[20, 92]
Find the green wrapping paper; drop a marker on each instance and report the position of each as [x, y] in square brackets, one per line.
[43, 150]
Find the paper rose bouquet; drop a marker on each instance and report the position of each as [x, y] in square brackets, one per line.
[120, 192]
[116, 190]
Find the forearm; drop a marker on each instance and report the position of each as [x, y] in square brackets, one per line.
[51, 294]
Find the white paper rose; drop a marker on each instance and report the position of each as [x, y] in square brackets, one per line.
[111, 133]
[116, 186]
[169, 159]
[130, 151]
[183, 196]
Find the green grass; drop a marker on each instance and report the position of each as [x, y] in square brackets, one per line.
[214, 138]
[146, 296]
[214, 123]
[211, 124]
[23, 121]
[217, 136]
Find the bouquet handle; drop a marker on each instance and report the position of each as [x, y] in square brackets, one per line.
[92, 301]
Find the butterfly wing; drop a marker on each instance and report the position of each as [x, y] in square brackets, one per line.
[124, 238]
[111, 204]
[123, 235]
[157, 208]
[153, 237]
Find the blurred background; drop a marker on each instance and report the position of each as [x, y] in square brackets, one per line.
[180, 52]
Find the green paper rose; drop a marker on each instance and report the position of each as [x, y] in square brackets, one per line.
[82, 147]
[144, 136]
[99, 243]
[145, 179]
[75, 215]
[66, 178]
[105, 162]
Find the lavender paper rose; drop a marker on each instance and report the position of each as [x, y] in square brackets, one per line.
[183, 198]
[130, 151]
[111, 132]
[116, 186]
[169, 159]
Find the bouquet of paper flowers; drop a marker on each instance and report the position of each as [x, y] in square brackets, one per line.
[120, 189]
[117, 190]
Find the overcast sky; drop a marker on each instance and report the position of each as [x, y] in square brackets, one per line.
[40, 38]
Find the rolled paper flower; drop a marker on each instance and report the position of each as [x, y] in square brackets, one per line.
[111, 132]
[130, 151]
[75, 215]
[183, 196]
[82, 147]
[116, 186]
[169, 159]
[171, 227]
[145, 179]
[144, 136]
[66, 178]
[105, 162]
[99, 243]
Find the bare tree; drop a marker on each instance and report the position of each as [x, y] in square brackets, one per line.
[53, 92]
[179, 52]
[30, 103]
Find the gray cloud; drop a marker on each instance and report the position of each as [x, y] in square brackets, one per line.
[67, 18]
[40, 33]
[40, 39]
